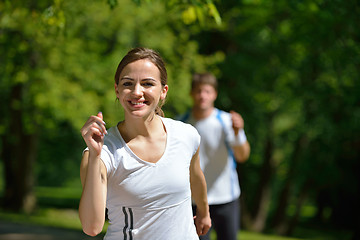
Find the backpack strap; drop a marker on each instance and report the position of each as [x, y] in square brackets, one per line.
[186, 116]
[230, 153]
[227, 144]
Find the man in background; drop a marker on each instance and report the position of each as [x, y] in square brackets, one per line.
[223, 141]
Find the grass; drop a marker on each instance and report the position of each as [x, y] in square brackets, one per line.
[52, 217]
[68, 219]
[245, 235]
[58, 208]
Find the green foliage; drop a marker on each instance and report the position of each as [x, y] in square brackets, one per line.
[200, 12]
[191, 10]
[65, 54]
[59, 156]
[291, 69]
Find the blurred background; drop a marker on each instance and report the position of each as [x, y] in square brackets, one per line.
[290, 68]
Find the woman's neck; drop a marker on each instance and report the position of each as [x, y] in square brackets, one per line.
[131, 128]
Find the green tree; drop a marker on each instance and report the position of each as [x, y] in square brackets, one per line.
[291, 68]
[57, 67]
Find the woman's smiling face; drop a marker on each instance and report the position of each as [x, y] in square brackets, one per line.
[139, 89]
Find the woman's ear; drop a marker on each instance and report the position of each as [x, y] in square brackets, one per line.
[164, 92]
[116, 90]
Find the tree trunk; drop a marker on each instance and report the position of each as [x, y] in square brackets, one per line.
[280, 220]
[263, 194]
[19, 153]
[299, 203]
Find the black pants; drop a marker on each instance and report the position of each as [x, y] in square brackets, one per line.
[225, 220]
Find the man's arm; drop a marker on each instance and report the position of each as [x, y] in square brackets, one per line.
[240, 146]
[242, 152]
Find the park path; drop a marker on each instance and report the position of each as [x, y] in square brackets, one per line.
[16, 231]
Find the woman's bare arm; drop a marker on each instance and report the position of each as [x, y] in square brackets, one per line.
[199, 194]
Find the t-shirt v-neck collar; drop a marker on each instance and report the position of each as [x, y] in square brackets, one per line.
[128, 149]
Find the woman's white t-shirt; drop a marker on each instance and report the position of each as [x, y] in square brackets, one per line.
[150, 200]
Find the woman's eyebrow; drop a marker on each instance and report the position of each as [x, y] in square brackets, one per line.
[126, 78]
[132, 79]
[149, 78]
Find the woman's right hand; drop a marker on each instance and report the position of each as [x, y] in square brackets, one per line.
[93, 133]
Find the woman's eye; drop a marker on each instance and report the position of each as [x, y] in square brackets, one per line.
[126, 84]
[148, 84]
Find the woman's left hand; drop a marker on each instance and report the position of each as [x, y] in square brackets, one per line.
[202, 223]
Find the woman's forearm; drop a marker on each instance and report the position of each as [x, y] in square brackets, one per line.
[93, 198]
[199, 193]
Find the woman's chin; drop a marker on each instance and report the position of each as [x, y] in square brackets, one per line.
[141, 114]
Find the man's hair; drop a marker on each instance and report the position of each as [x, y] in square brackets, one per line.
[204, 78]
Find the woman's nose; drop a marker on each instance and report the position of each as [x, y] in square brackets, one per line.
[137, 89]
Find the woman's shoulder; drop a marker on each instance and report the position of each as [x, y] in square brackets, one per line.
[183, 132]
[112, 149]
[112, 132]
[113, 138]
[177, 124]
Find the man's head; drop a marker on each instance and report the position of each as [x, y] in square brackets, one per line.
[203, 90]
